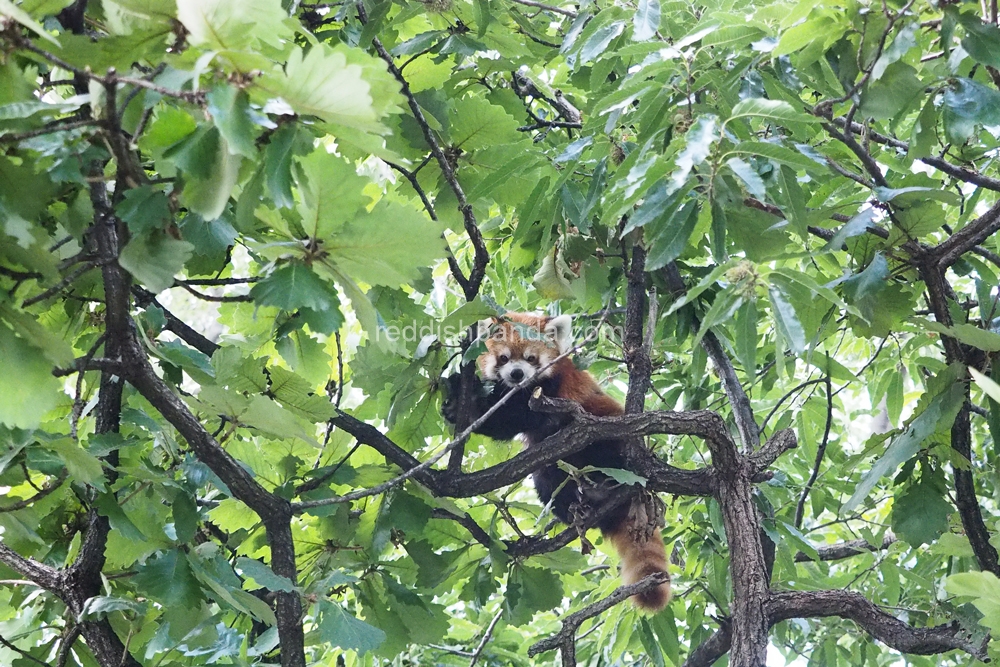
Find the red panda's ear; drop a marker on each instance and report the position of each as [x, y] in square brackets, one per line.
[561, 330]
[483, 328]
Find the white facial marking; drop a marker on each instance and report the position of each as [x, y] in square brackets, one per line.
[561, 330]
[490, 367]
[544, 360]
[517, 372]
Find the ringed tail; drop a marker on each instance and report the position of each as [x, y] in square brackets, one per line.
[639, 559]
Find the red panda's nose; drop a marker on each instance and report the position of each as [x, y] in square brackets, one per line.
[516, 374]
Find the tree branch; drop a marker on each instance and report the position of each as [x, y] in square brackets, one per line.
[828, 552]
[892, 632]
[565, 638]
[481, 256]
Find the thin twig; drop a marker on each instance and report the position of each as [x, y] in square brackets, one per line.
[486, 638]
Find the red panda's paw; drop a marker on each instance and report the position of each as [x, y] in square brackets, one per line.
[449, 405]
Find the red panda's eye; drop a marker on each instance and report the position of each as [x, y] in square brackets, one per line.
[530, 358]
[503, 359]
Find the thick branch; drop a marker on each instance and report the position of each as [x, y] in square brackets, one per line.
[887, 629]
[950, 250]
[640, 368]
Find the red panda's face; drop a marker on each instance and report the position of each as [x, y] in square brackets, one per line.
[518, 353]
[517, 361]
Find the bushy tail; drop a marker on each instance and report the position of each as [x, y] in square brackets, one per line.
[640, 558]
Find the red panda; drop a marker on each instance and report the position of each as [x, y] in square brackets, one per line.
[520, 349]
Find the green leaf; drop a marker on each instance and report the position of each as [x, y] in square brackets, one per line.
[530, 590]
[295, 286]
[923, 137]
[144, 209]
[920, 514]
[598, 42]
[968, 334]
[774, 111]
[893, 93]
[646, 20]
[326, 83]
[81, 464]
[232, 26]
[388, 246]
[230, 109]
[984, 590]
[787, 321]
[23, 403]
[938, 414]
[8, 8]
[263, 575]
[991, 388]
[904, 40]
[778, 153]
[698, 142]
[267, 416]
[623, 476]
[168, 579]
[338, 628]
[185, 514]
[746, 336]
[478, 124]
[972, 101]
[660, 203]
[154, 259]
[649, 643]
[856, 226]
[751, 179]
[915, 195]
[333, 193]
[982, 40]
[670, 238]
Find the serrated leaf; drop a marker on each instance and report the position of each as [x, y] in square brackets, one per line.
[646, 20]
[185, 514]
[232, 26]
[529, 590]
[671, 238]
[920, 514]
[749, 176]
[698, 143]
[154, 259]
[388, 246]
[968, 334]
[144, 209]
[904, 40]
[787, 321]
[338, 628]
[295, 286]
[775, 111]
[333, 193]
[263, 575]
[778, 153]
[23, 403]
[230, 109]
[939, 413]
[478, 124]
[856, 226]
[598, 42]
[327, 84]
[168, 579]
[267, 416]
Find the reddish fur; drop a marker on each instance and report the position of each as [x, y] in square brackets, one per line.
[639, 557]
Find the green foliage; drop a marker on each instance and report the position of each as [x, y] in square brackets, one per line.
[272, 186]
